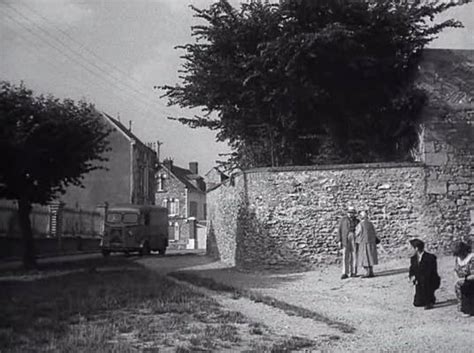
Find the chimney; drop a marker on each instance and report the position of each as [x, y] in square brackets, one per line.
[193, 167]
[168, 163]
[129, 125]
[155, 146]
[157, 149]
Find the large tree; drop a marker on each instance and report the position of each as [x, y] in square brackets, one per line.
[306, 81]
[47, 144]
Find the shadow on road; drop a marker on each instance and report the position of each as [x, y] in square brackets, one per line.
[63, 263]
[393, 272]
[88, 260]
[445, 303]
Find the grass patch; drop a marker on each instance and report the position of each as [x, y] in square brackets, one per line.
[116, 307]
[291, 344]
[289, 309]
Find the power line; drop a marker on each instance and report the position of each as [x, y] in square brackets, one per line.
[121, 74]
[92, 66]
[34, 34]
[47, 60]
[82, 46]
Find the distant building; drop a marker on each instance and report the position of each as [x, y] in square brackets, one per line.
[129, 178]
[214, 177]
[183, 192]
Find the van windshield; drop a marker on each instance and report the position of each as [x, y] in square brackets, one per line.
[130, 218]
[115, 217]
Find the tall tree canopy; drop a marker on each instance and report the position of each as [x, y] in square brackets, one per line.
[46, 145]
[305, 81]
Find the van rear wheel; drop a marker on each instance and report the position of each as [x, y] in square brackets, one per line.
[145, 250]
[162, 251]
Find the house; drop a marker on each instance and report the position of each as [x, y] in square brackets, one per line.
[183, 192]
[129, 177]
[214, 177]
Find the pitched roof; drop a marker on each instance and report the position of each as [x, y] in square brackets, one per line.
[186, 177]
[215, 169]
[123, 129]
[448, 75]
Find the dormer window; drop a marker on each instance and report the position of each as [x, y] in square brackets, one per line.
[160, 182]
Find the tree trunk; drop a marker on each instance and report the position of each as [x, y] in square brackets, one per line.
[24, 210]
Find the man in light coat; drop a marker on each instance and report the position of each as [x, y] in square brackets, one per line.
[366, 238]
[347, 243]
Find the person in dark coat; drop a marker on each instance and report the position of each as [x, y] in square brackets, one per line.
[347, 243]
[424, 275]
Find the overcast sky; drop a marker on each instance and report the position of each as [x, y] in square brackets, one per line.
[112, 53]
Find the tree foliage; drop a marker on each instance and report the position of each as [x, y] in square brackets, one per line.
[309, 81]
[47, 144]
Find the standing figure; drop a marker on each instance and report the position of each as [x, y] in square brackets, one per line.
[347, 243]
[464, 268]
[424, 275]
[366, 239]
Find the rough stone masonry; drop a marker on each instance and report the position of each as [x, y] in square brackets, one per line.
[289, 216]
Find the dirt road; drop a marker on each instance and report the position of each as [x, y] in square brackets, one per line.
[380, 308]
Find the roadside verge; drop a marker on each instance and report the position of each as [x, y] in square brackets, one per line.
[289, 309]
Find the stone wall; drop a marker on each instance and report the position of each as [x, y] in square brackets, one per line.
[226, 206]
[448, 153]
[289, 216]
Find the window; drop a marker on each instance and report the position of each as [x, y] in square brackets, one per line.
[160, 182]
[193, 209]
[130, 218]
[114, 217]
[176, 231]
[172, 205]
[171, 231]
[141, 179]
[146, 185]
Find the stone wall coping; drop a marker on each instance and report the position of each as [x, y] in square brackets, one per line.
[332, 167]
[304, 168]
